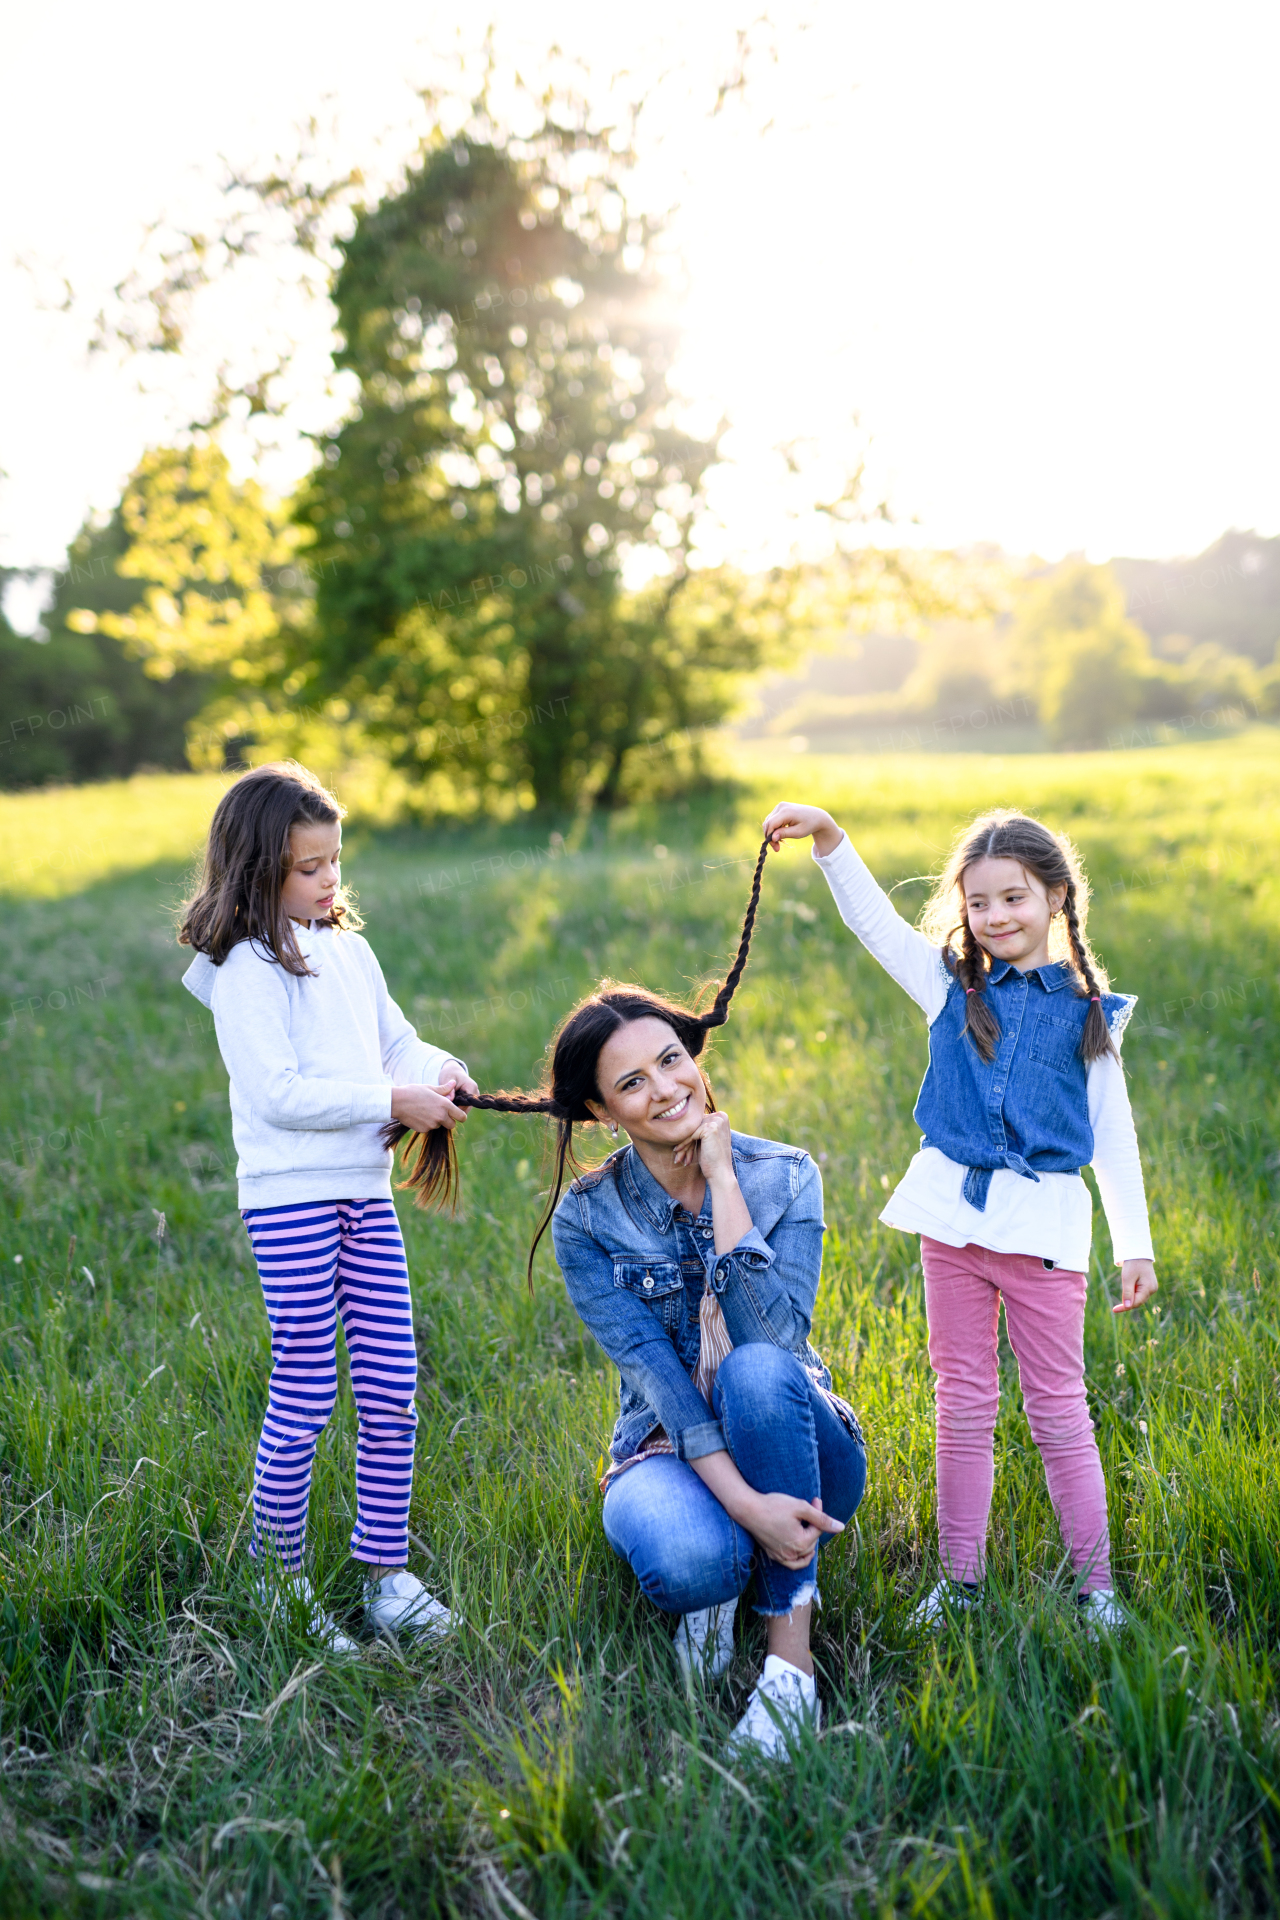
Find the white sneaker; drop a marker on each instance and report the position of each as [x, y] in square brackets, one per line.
[941, 1604]
[784, 1702]
[704, 1642]
[1101, 1612]
[399, 1603]
[295, 1591]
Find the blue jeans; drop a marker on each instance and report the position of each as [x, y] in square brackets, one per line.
[784, 1437]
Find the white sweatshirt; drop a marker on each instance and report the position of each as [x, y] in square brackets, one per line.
[312, 1062]
[1051, 1217]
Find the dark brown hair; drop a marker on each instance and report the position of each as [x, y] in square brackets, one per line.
[575, 1051]
[247, 860]
[1006, 835]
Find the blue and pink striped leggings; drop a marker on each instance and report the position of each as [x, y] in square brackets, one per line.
[317, 1260]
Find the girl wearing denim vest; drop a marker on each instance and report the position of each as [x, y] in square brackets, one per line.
[1024, 1088]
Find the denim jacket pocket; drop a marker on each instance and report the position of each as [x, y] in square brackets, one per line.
[659, 1283]
[1056, 1043]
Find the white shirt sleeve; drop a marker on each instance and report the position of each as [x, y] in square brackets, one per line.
[1116, 1161]
[902, 950]
[409, 1060]
[251, 1018]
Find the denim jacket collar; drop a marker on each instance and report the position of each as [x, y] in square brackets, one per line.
[1055, 975]
[652, 1199]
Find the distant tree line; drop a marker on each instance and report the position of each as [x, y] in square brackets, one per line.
[1228, 596]
[1068, 663]
[78, 706]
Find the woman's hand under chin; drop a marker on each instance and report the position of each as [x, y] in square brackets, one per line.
[710, 1149]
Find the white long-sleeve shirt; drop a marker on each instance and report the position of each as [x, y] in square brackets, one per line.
[1051, 1217]
[312, 1062]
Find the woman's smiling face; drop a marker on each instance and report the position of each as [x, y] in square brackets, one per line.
[649, 1084]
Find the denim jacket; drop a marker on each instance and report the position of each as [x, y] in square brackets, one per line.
[635, 1264]
[1028, 1108]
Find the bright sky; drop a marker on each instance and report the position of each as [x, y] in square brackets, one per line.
[1030, 249]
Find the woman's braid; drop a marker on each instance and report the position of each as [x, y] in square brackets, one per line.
[718, 1012]
[431, 1157]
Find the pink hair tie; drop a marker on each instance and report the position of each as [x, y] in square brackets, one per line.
[971, 989]
[1093, 997]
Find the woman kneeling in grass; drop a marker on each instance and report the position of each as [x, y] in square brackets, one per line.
[693, 1255]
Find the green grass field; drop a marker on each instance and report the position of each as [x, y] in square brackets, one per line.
[163, 1755]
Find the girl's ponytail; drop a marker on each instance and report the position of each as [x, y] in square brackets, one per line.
[718, 1012]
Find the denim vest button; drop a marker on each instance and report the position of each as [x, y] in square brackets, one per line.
[706, 1233]
[648, 1279]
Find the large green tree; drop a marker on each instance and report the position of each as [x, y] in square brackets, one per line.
[499, 531]
[515, 440]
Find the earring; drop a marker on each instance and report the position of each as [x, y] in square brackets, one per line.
[613, 1131]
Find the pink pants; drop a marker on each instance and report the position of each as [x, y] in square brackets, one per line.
[1044, 1312]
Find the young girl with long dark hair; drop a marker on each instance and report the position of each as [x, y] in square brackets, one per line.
[320, 1059]
[693, 1255]
[1024, 1088]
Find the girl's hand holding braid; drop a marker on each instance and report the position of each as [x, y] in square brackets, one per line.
[422, 1108]
[792, 821]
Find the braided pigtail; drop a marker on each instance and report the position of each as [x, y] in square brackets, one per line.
[433, 1168]
[718, 1012]
[1096, 1039]
[971, 970]
[431, 1158]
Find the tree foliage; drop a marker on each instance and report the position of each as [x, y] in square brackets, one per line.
[1091, 670]
[499, 534]
[73, 704]
[218, 588]
[515, 445]
[1080, 655]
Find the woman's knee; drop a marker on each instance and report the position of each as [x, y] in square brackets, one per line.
[684, 1577]
[842, 1491]
[683, 1557]
[761, 1376]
